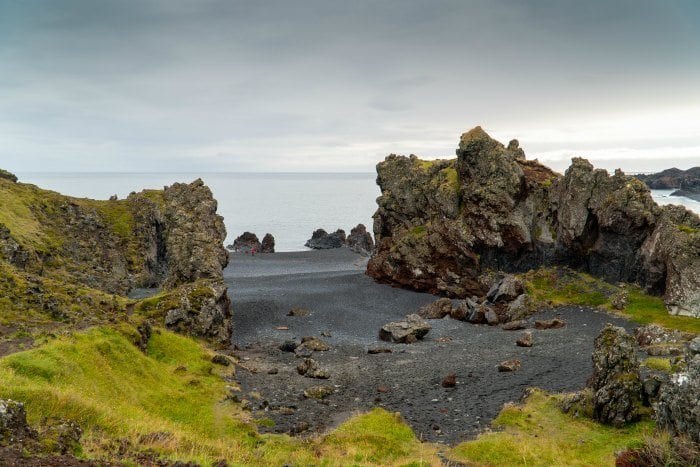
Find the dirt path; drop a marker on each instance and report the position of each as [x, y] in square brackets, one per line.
[351, 308]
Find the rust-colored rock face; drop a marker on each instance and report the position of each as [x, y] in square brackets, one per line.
[445, 226]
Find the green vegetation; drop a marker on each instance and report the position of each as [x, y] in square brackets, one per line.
[418, 231]
[539, 434]
[557, 287]
[658, 363]
[687, 229]
[450, 180]
[171, 403]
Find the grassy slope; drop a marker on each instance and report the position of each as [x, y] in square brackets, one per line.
[575, 288]
[537, 433]
[172, 400]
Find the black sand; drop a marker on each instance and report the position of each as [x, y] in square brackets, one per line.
[352, 307]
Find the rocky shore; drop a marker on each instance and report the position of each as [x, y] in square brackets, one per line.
[684, 182]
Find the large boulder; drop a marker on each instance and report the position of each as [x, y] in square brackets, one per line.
[617, 389]
[437, 309]
[445, 226]
[322, 240]
[406, 331]
[360, 241]
[247, 242]
[678, 407]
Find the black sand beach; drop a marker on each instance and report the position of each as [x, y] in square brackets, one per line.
[351, 307]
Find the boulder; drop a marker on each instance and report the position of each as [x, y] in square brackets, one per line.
[202, 309]
[247, 242]
[322, 240]
[514, 325]
[318, 392]
[525, 340]
[617, 389]
[519, 308]
[14, 428]
[268, 244]
[406, 331]
[491, 316]
[288, 346]
[310, 368]
[505, 290]
[360, 241]
[677, 408]
[449, 381]
[509, 365]
[464, 309]
[437, 309]
[314, 344]
[553, 323]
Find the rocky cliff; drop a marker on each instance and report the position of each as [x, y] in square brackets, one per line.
[74, 260]
[449, 226]
[684, 182]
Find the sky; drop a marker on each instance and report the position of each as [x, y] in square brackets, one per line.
[324, 85]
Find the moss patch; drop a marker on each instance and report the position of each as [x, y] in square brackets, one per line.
[687, 229]
[539, 434]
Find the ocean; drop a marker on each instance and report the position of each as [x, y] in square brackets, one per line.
[290, 206]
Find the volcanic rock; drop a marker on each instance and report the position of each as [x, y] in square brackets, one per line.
[525, 340]
[318, 392]
[464, 309]
[314, 344]
[310, 368]
[509, 365]
[360, 241]
[442, 226]
[505, 290]
[677, 408]
[268, 244]
[514, 325]
[378, 350]
[449, 381]
[405, 331]
[247, 242]
[14, 428]
[437, 309]
[322, 240]
[299, 312]
[491, 317]
[553, 323]
[288, 346]
[615, 381]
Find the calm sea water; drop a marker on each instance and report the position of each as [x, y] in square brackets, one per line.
[289, 206]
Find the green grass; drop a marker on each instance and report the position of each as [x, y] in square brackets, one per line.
[171, 401]
[539, 434]
[567, 287]
[687, 229]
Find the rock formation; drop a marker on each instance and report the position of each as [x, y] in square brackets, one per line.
[360, 241]
[79, 257]
[322, 240]
[445, 226]
[268, 244]
[677, 408]
[245, 243]
[684, 182]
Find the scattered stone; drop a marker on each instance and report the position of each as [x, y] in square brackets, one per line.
[382, 389]
[299, 427]
[553, 323]
[615, 381]
[505, 290]
[449, 381]
[464, 310]
[437, 309]
[299, 312]
[677, 408]
[514, 325]
[326, 334]
[247, 242]
[314, 344]
[318, 392]
[525, 340]
[268, 244]
[405, 331]
[509, 365]
[220, 359]
[378, 350]
[309, 368]
[272, 371]
[322, 240]
[288, 346]
[360, 241]
[282, 328]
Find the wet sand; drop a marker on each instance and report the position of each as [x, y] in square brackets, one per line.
[351, 307]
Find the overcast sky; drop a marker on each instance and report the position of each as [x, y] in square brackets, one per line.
[337, 85]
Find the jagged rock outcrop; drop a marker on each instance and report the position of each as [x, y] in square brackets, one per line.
[322, 240]
[268, 244]
[677, 408]
[247, 242]
[444, 226]
[360, 241]
[615, 381]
